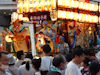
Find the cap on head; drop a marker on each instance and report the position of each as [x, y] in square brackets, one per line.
[11, 59]
[45, 22]
[46, 48]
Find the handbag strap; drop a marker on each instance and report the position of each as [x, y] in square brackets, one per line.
[11, 71]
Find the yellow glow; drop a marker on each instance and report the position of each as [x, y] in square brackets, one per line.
[31, 5]
[8, 39]
[25, 19]
[42, 5]
[60, 2]
[26, 6]
[75, 4]
[75, 16]
[48, 4]
[20, 6]
[37, 5]
[20, 16]
[81, 5]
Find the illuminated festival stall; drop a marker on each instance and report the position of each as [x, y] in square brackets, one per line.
[80, 19]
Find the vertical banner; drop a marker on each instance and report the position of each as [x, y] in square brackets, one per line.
[32, 36]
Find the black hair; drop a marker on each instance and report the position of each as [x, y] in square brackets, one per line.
[11, 64]
[58, 59]
[87, 60]
[87, 52]
[19, 54]
[36, 63]
[46, 48]
[28, 55]
[2, 52]
[94, 68]
[69, 57]
[78, 52]
[40, 32]
[24, 62]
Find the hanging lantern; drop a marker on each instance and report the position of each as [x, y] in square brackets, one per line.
[31, 5]
[20, 6]
[60, 2]
[20, 16]
[26, 6]
[37, 5]
[53, 4]
[81, 5]
[42, 5]
[76, 4]
[48, 5]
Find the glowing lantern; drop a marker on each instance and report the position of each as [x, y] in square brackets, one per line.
[60, 2]
[99, 8]
[75, 4]
[48, 4]
[59, 14]
[8, 39]
[37, 5]
[72, 3]
[31, 5]
[26, 6]
[25, 19]
[63, 3]
[20, 6]
[95, 7]
[75, 16]
[20, 16]
[81, 5]
[53, 4]
[42, 5]
[66, 3]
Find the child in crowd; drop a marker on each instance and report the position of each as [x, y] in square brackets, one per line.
[85, 64]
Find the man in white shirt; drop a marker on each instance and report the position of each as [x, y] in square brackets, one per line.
[46, 61]
[20, 56]
[4, 63]
[72, 67]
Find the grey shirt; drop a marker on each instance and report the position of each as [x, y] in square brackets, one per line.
[46, 32]
[14, 70]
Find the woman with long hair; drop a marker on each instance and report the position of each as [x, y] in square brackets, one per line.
[27, 68]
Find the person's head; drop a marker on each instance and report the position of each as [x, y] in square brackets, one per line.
[29, 55]
[4, 60]
[78, 55]
[28, 60]
[44, 24]
[20, 55]
[46, 48]
[87, 52]
[59, 61]
[36, 64]
[68, 57]
[94, 68]
[61, 38]
[11, 59]
[86, 62]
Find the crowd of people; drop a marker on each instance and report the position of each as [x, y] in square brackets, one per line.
[79, 62]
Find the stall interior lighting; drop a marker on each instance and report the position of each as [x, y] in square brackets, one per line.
[75, 16]
[77, 4]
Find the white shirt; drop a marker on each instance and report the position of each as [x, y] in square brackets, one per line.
[18, 63]
[24, 71]
[72, 69]
[13, 69]
[46, 62]
[37, 73]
